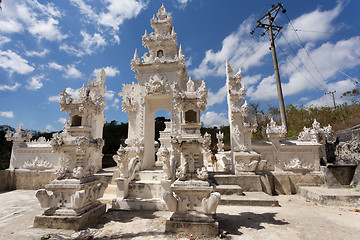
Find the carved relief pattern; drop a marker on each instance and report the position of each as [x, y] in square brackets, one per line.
[37, 163]
[313, 134]
[157, 85]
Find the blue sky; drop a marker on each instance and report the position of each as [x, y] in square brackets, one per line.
[47, 46]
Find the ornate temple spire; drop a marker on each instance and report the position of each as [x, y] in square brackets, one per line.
[136, 57]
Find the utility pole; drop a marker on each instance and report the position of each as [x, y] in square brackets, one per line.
[333, 97]
[269, 27]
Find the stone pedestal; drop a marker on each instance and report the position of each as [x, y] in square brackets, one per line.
[70, 222]
[71, 204]
[193, 205]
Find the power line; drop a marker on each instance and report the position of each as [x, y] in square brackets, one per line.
[334, 33]
[302, 45]
[324, 89]
[298, 69]
[252, 54]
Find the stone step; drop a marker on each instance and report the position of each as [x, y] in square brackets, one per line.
[149, 175]
[229, 189]
[331, 196]
[106, 174]
[145, 189]
[260, 199]
[137, 204]
[248, 182]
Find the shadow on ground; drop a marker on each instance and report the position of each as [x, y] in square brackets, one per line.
[122, 216]
[233, 223]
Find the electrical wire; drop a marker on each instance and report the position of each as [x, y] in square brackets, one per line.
[320, 84]
[287, 56]
[251, 55]
[314, 31]
[302, 45]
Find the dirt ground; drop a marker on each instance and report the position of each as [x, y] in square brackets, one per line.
[295, 219]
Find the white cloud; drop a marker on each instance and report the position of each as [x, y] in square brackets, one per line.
[72, 72]
[88, 45]
[8, 114]
[327, 100]
[71, 50]
[35, 83]
[10, 88]
[182, 3]
[250, 80]
[47, 30]
[116, 39]
[54, 98]
[109, 95]
[61, 120]
[12, 62]
[188, 62]
[116, 103]
[39, 19]
[237, 48]
[4, 40]
[110, 71]
[266, 89]
[10, 26]
[48, 128]
[114, 14]
[54, 65]
[73, 92]
[317, 20]
[91, 43]
[219, 97]
[211, 119]
[37, 54]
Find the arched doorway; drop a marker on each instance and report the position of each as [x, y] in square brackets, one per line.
[153, 104]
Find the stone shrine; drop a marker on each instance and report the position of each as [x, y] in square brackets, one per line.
[71, 199]
[163, 84]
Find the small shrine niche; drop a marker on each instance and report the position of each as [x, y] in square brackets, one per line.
[76, 121]
[191, 116]
[160, 53]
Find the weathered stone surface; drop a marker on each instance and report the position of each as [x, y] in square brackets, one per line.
[5, 180]
[338, 175]
[331, 196]
[194, 228]
[32, 180]
[70, 222]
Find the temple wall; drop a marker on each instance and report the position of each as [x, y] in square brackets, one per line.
[296, 156]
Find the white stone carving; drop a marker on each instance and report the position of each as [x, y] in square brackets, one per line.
[274, 131]
[296, 164]
[315, 133]
[37, 164]
[157, 85]
[241, 124]
[220, 144]
[76, 189]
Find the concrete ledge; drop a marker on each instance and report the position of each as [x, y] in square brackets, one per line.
[331, 196]
[287, 182]
[5, 180]
[138, 204]
[194, 228]
[260, 199]
[72, 223]
[32, 179]
[248, 182]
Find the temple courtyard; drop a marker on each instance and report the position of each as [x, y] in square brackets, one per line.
[295, 218]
